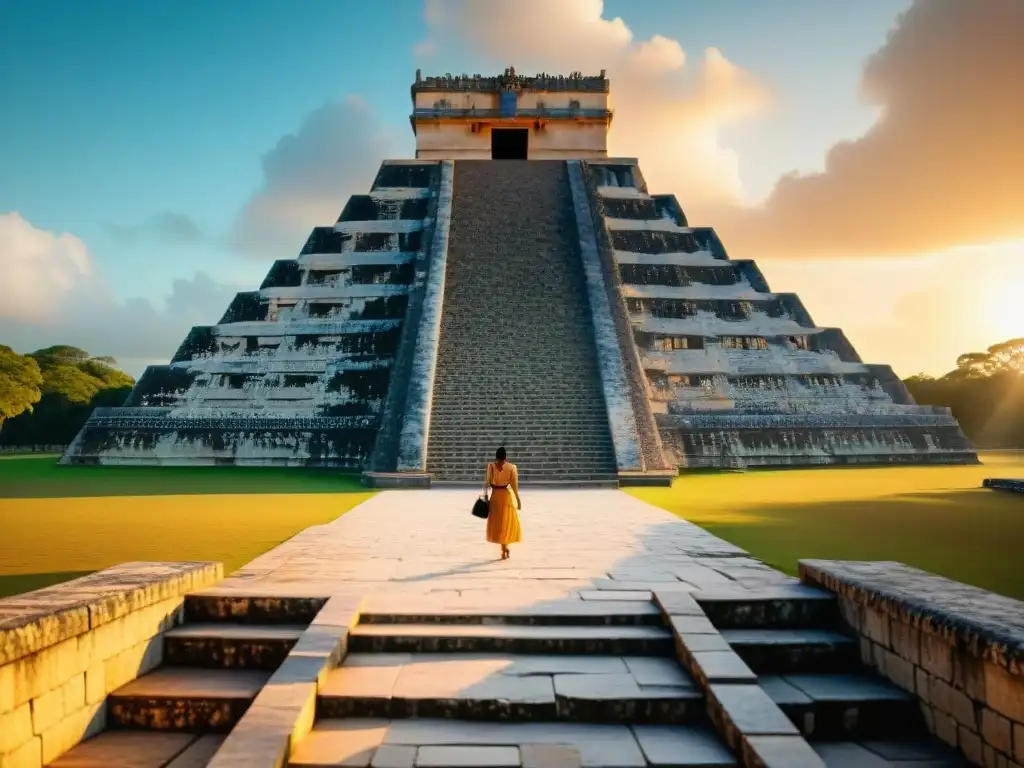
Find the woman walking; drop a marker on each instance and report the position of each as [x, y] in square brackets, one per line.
[503, 519]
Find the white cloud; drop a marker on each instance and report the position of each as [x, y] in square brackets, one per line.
[942, 165]
[425, 49]
[53, 294]
[668, 113]
[41, 269]
[309, 176]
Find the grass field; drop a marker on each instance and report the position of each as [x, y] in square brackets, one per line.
[60, 522]
[57, 523]
[935, 518]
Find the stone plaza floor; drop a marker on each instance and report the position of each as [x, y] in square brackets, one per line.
[425, 544]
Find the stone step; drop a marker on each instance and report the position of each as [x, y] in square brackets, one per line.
[923, 753]
[565, 458]
[579, 473]
[795, 606]
[791, 651]
[185, 699]
[545, 437]
[444, 743]
[846, 706]
[216, 605]
[140, 749]
[583, 477]
[555, 613]
[595, 481]
[524, 688]
[498, 638]
[230, 646]
[547, 385]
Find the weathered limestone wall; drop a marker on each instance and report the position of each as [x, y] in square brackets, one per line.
[412, 446]
[567, 117]
[739, 375]
[64, 648]
[555, 140]
[597, 177]
[297, 373]
[958, 648]
[528, 99]
[621, 419]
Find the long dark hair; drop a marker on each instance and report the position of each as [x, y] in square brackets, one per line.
[499, 455]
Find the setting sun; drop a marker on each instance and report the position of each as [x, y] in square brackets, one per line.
[1003, 313]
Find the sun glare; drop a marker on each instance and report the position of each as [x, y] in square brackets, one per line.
[1004, 301]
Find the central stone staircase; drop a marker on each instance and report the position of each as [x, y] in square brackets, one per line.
[517, 363]
[567, 683]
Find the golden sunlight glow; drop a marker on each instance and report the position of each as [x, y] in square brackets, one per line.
[1003, 313]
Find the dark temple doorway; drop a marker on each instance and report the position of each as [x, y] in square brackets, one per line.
[509, 143]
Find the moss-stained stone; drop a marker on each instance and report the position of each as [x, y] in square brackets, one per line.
[618, 641]
[557, 613]
[187, 700]
[775, 607]
[243, 609]
[229, 647]
[783, 651]
[169, 714]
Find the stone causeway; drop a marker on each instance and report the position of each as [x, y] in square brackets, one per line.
[616, 635]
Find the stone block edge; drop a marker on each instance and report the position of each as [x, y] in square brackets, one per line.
[1002, 647]
[283, 712]
[36, 620]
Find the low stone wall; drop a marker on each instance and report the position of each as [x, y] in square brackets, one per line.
[1003, 484]
[958, 648]
[64, 648]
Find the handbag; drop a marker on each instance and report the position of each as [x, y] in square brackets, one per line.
[481, 508]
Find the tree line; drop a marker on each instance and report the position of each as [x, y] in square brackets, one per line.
[985, 392]
[47, 395]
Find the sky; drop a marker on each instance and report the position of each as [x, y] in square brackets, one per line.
[156, 157]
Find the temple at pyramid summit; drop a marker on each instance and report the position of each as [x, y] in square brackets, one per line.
[513, 285]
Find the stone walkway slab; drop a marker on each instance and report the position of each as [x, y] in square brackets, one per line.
[404, 547]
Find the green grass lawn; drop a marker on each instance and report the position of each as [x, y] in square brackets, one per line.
[935, 518]
[57, 523]
[60, 522]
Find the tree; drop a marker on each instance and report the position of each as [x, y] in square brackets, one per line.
[20, 383]
[72, 383]
[985, 392]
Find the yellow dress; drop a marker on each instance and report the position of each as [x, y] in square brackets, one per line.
[502, 518]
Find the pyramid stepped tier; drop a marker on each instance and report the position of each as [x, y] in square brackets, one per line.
[551, 306]
[517, 363]
[735, 374]
[299, 372]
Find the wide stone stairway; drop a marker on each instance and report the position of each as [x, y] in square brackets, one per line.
[569, 683]
[517, 363]
[616, 636]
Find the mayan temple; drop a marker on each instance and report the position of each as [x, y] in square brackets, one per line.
[515, 285]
